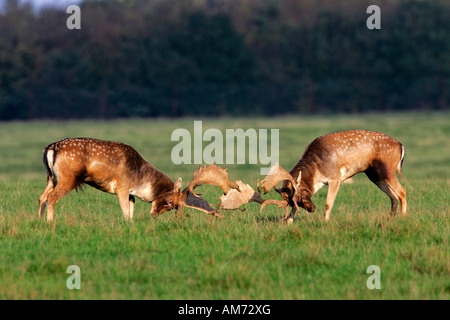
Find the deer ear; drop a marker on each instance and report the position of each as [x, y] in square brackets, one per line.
[177, 186]
[299, 179]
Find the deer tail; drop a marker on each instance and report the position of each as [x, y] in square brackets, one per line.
[49, 157]
[400, 163]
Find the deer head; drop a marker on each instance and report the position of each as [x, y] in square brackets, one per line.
[177, 199]
[168, 200]
[292, 193]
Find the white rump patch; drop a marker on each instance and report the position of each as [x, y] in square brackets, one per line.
[50, 154]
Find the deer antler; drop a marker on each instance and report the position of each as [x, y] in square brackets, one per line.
[237, 197]
[234, 199]
[236, 193]
[198, 203]
[276, 174]
[213, 175]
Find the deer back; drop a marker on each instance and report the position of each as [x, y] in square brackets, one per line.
[105, 165]
[340, 155]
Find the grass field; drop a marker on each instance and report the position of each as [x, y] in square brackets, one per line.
[246, 255]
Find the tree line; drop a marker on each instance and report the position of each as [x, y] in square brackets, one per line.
[136, 58]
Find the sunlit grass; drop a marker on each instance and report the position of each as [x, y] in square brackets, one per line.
[248, 254]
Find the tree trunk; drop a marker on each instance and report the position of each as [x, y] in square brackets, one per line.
[442, 101]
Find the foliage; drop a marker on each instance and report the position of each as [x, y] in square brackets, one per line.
[176, 58]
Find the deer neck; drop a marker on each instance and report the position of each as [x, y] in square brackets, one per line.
[309, 170]
[151, 183]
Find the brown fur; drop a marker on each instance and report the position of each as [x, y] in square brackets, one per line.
[335, 157]
[119, 169]
[111, 167]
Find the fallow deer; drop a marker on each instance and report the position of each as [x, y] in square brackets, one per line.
[332, 159]
[119, 169]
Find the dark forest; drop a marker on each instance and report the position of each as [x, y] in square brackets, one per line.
[135, 58]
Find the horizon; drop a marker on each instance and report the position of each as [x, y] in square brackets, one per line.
[39, 4]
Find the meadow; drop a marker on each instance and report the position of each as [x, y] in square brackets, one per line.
[248, 254]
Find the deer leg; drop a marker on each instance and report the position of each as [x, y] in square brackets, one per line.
[179, 211]
[44, 197]
[124, 201]
[291, 215]
[333, 188]
[132, 202]
[399, 191]
[382, 183]
[386, 189]
[54, 196]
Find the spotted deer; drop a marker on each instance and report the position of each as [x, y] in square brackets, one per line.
[117, 168]
[331, 159]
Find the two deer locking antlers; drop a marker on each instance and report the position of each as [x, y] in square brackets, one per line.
[119, 169]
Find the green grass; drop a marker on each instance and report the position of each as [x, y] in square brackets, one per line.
[246, 255]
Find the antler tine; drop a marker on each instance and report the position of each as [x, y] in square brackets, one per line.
[237, 197]
[279, 203]
[276, 174]
[234, 199]
[213, 175]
